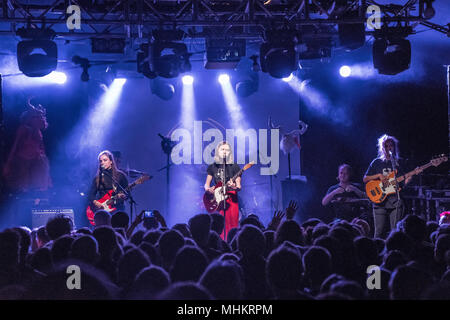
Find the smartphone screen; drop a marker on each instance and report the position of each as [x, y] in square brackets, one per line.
[148, 214]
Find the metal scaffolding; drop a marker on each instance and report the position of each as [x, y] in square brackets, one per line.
[246, 19]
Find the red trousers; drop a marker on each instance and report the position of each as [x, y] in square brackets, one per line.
[231, 213]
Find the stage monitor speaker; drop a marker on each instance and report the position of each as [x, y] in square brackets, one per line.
[39, 217]
[297, 188]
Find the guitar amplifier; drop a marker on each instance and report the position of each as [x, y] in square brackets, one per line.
[39, 217]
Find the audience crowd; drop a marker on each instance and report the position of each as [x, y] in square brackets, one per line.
[284, 260]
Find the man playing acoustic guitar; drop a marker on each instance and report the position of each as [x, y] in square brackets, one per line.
[380, 168]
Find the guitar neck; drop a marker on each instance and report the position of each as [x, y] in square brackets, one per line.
[136, 182]
[241, 171]
[413, 172]
[237, 175]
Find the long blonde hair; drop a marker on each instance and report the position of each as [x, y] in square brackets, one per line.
[381, 142]
[219, 160]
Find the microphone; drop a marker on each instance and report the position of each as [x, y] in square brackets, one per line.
[393, 160]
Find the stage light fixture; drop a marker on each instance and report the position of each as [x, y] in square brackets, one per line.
[289, 78]
[223, 78]
[246, 88]
[391, 55]
[120, 81]
[224, 53]
[84, 64]
[164, 59]
[38, 55]
[428, 11]
[187, 79]
[162, 89]
[278, 56]
[57, 77]
[345, 71]
[144, 60]
[255, 66]
[109, 76]
[107, 45]
[317, 48]
[248, 84]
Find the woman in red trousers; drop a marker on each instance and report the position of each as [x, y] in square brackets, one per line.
[223, 169]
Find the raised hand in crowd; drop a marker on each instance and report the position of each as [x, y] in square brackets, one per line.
[276, 220]
[160, 218]
[139, 218]
[291, 209]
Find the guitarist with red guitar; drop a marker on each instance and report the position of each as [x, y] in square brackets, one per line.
[223, 158]
[104, 186]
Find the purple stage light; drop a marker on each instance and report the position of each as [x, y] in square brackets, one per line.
[56, 77]
[120, 81]
[188, 79]
[224, 78]
[287, 79]
[345, 71]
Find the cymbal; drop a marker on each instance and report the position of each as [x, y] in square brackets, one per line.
[133, 172]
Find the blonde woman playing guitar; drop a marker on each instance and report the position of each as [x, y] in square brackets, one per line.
[215, 171]
[387, 213]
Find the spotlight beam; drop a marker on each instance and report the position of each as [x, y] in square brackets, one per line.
[318, 102]
[187, 116]
[234, 109]
[98, 121]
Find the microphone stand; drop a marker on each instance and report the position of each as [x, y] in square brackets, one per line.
[393, 164]
[167, 145]
[224, 192]
[127, 193]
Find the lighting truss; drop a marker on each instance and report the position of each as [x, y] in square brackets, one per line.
[245, 19]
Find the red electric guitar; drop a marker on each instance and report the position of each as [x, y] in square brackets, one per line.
[212, 201]
[108, 200]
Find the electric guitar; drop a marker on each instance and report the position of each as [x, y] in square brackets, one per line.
[108, 200]
[212, 201]
[377, 191]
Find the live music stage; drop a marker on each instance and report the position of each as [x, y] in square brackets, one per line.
[296, 88]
